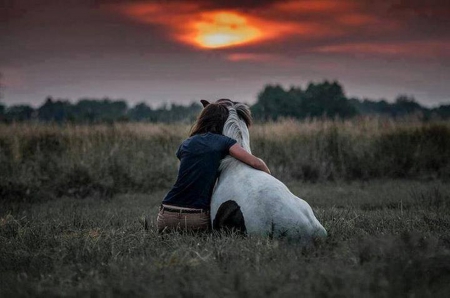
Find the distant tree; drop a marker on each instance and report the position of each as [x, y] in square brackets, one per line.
[272, 102]
[106, 110]
[18, 113]
[294, 106]
[116, 110]
[369, 107]
[177, 113]
[327, 99]
[383, 107]
[405, 105]
[194, 109]
[184, 113]
[141, 112]
[318, 100]
[2, 112]
[55, 111]
[443, 111]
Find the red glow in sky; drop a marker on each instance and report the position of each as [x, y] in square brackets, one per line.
[224, 29]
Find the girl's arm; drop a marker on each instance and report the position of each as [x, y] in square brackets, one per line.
[240, 154]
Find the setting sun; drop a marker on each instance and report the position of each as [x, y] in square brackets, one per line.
[212, 29]
[222, 29]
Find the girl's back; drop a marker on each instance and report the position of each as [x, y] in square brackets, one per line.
[200, 157]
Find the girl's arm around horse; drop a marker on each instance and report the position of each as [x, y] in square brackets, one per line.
[240, 154]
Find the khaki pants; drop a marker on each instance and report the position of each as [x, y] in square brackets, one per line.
[180, 218]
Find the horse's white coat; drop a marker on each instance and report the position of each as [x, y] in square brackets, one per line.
[268, 207]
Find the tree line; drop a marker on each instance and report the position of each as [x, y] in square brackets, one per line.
[325, 100]
[98, 111]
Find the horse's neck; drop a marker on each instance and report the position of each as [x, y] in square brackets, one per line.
[241, 139]
[230, 164]
[235, 128]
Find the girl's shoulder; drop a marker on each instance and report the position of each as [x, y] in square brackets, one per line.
[209, 139]
[217, 137]
[221, 142]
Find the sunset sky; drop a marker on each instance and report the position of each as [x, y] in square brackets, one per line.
[181, 51]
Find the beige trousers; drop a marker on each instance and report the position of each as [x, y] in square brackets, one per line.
[180, 218]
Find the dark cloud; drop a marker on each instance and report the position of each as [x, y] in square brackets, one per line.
[203, 3]
[419, 8]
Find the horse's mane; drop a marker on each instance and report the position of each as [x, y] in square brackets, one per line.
[236, 128]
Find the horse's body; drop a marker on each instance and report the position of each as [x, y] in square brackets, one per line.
[255, 202]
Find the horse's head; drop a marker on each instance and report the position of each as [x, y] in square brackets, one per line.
[239, 119]
[241, 108]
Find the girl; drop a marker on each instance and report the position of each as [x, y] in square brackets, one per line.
[186, 206]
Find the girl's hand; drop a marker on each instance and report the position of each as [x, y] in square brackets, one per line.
[266, 168]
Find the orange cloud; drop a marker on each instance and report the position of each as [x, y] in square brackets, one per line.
[170, 13]
[188, 23]
[312, 6]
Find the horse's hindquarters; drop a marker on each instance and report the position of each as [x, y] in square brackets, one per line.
[266, 206]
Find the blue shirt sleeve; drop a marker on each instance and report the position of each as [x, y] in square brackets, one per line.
[178, 154]
[227, 143]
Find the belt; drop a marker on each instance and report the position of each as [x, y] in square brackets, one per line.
[164, 208]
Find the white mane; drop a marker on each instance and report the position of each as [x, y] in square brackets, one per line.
[235, 128]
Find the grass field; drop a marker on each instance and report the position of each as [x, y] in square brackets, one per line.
[387, 238]
[72, 200]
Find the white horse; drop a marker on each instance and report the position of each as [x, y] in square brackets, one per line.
[253, 201]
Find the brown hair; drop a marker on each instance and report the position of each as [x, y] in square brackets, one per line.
[241, 109]
[211, 119]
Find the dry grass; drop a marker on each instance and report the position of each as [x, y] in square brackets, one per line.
[46, 161]
[359, 127]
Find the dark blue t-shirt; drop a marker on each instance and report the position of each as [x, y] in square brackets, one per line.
[200, 157]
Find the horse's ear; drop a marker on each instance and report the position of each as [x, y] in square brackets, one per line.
[204, 102]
